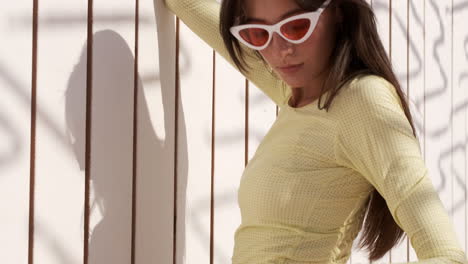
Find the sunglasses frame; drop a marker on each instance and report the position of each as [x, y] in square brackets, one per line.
[312, 16]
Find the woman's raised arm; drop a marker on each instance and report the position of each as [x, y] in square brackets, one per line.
[202, 17]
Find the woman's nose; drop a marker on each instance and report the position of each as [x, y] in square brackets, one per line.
[281, 45]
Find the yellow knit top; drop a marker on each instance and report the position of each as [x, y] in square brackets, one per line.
[301, 195]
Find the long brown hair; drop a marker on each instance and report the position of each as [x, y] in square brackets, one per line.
[358, 50]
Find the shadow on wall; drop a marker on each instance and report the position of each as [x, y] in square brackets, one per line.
[112, 154]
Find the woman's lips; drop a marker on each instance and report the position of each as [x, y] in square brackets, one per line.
[291, 69]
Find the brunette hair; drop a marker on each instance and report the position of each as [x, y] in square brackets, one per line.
[358, 50]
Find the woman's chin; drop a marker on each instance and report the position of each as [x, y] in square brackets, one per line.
[292, 80]
[293, 83]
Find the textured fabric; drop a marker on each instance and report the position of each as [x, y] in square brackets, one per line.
[301, 195]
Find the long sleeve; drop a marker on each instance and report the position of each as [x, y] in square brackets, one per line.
[375, 139]
[202, 17]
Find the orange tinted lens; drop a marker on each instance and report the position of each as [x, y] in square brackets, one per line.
[296, 29]
[255, 36]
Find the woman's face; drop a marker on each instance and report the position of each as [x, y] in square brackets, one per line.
[313, 54]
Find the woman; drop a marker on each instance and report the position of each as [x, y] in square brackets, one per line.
[318, 173]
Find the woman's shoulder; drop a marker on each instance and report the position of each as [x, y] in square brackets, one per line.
[362, 82]
[367, 94]
[367, 90]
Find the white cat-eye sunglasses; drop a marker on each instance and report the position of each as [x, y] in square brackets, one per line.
[295, 29]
